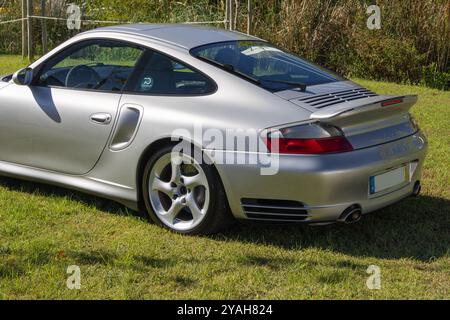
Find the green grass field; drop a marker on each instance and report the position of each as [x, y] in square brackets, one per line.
[44, 229]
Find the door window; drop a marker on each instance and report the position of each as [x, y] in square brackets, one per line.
[102, 65]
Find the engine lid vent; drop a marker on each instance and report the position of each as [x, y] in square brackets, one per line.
[274, 210]
[319, 101]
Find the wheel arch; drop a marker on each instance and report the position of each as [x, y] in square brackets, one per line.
[150, 150]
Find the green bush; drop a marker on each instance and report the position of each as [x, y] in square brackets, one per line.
[412, 46]
[385, 58]
[433, 78]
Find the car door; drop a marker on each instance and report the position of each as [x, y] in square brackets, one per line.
[62, 121]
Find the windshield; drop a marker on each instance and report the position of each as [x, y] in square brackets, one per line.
[271, 67]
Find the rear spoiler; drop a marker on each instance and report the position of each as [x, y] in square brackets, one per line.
[365, 109]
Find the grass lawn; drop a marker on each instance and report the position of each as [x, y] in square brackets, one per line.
[9, 64]
[44, 229]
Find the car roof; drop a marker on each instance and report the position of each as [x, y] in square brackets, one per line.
[182, 35]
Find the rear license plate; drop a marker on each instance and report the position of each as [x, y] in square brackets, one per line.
[388, 179]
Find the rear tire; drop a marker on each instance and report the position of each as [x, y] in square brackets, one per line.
[183, 195]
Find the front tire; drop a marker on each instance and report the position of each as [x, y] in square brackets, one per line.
[183, 194]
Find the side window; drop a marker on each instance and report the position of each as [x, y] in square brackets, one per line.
[159, 74]
[102, 65]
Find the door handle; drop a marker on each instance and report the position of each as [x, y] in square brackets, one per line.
[101, 118]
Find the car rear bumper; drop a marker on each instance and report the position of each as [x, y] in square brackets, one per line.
[319, 187]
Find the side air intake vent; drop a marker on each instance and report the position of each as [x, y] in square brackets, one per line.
[325, 100]
[127, 125]
[274, 210]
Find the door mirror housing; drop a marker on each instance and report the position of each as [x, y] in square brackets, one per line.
[23, 77]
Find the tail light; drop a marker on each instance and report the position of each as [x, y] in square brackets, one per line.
[312, 138]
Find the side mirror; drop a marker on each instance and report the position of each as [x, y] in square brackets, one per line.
[23, 77]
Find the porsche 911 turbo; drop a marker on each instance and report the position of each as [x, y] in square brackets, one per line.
[106, 112]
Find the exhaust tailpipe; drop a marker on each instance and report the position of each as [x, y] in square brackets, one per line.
[351, 215]
[417, 188]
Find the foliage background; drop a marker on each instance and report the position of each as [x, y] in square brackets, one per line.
[413, 45]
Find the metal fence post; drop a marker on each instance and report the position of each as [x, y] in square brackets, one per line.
[30, 30]
[249, 17]
[227, 13]
[24, 27]
[44, 28]
[231, 14]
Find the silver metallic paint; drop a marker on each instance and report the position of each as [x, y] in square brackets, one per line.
[50, 128]
[85, 156]
[326, 184]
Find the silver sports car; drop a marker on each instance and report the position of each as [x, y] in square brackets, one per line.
[200, 126]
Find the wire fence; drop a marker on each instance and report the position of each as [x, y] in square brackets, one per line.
[12, 21]
[225, 21]
[35, 35]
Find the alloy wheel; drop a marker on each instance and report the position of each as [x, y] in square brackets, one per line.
[179, 191]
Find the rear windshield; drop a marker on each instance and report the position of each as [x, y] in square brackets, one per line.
[273, 68]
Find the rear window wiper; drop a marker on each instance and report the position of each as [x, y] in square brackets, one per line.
[300, 85]
[230, 68]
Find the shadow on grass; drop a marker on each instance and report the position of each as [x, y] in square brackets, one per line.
[17, 262]
[415, 228]
[54, 191]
